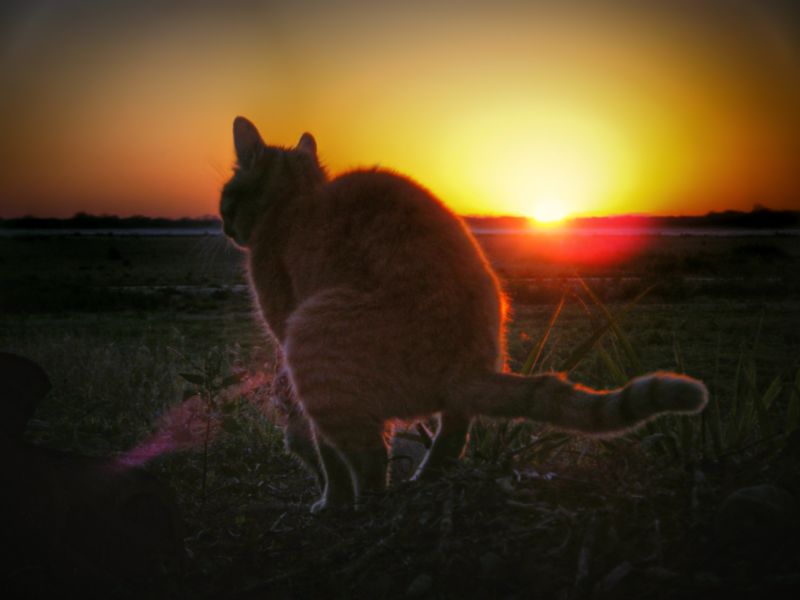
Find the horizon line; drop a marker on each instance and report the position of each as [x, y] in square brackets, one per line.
[757, 209]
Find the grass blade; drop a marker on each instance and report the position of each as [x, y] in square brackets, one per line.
[714, 424]
[793, 410]
[612, 321]
[533, 357]
[686, 429]
[772, 392]
[548, 443]
[735, 409]
[613, 367]
[676, 350]
[585, 347]
[748, 402]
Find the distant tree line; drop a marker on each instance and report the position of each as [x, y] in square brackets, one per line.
[497, 222]
[758, 218]
[83, 220]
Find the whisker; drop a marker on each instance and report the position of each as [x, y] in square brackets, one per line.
[219, 171]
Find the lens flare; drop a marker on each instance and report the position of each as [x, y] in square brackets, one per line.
[190, 424]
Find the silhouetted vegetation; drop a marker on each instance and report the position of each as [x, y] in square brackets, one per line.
[496, 223]
[87, 221]
[758, 218]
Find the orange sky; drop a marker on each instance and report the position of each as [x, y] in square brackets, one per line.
[499, 107]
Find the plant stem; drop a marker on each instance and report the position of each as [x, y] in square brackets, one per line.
[205, 449]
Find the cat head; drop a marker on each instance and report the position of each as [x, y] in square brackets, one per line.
[264, 177]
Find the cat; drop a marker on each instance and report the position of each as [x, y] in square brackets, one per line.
[385, 308]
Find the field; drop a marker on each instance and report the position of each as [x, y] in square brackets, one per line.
[129, 327]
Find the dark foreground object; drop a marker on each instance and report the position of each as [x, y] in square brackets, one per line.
[75, 525]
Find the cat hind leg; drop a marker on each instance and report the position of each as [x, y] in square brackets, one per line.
[300, 443]
[447, 448]
[337, 481]
[361, 448]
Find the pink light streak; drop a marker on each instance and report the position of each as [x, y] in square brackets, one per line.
[185, 426]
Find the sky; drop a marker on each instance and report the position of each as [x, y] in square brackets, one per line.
[541, 109]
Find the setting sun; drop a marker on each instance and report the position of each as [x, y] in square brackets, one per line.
[536, 157]
[549, 211]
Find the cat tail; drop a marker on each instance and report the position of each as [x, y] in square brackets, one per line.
[551, 398]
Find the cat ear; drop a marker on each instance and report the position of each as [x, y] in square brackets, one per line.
[307, 145]
[246, 140]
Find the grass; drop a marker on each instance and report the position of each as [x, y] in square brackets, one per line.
[146, 323]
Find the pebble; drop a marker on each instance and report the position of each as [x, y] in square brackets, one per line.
[761, 513]
[420, 586]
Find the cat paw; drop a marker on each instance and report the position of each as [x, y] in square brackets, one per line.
[319, 506]
[326, 506]
[427, 473]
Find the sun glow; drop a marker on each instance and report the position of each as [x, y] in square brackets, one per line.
[549, 211]
[544, 160]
